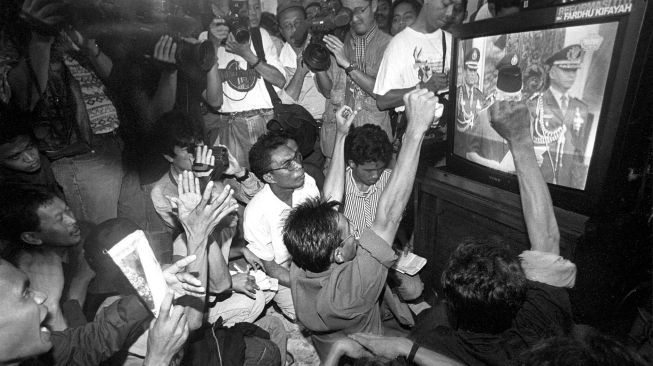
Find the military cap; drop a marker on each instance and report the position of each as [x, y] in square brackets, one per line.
[568, 58]
[509, 79]
[471, 58]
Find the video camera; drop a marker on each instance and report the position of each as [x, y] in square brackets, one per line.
[316, 56]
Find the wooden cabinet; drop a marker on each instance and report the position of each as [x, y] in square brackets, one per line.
[449, 208]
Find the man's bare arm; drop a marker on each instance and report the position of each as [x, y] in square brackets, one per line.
[511, 121]
[275, 270]
[334, 183]
[392, 99]
[421, 108]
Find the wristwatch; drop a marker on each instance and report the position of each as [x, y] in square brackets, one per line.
[352, 66]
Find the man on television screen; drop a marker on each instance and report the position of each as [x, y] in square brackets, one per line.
[561, 122]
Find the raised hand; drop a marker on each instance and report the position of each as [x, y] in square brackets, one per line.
[241, 49]
[218, 31]
[183, 283]
[165, 50]
[204, 161]
[511, 120]
[336, 47]
[168, 333]
[344, 118]
[188, 193]
[234, 166]
[245, 284]
[422, 108]
[202, 219]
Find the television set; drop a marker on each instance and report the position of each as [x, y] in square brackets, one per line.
[577, 68]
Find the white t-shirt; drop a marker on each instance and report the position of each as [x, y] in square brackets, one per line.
[264, 218]
[245, 92]
[412, 57]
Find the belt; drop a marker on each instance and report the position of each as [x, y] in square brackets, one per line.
[246, 114]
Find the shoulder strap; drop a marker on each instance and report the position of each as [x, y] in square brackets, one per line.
[444, 49]
[257, 41]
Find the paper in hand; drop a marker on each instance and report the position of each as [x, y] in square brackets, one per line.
[135, 258]
[409, 264]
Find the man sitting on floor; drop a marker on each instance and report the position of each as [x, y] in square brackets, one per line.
[335, 275]
[286, 186]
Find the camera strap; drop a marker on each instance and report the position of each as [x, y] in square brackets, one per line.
[257, 41]
[444, 50]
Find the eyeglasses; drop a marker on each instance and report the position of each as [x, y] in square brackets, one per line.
[292, 164]
[354, 234]
[360, 11]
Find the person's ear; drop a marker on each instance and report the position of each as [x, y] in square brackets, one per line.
[31, 238]
[351, 164]
[269, 178]
[337, 256]
[169, 158]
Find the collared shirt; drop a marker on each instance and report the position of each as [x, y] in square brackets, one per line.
[360, 45]
[344, 299]
[346, 92]
[360, 207]
[309, 97]
[264, 218]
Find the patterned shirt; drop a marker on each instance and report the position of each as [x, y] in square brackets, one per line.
[360, 207]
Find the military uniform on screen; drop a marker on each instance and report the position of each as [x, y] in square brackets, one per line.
[561, 124]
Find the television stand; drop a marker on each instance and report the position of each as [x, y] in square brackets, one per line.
[449, 208]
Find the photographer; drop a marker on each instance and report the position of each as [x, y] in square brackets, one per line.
[235, 86]
[57, 77]
[350, 79]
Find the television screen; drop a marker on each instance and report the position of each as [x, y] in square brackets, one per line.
[560, 73]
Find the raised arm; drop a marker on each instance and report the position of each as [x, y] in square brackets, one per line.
[334, 183]
[511, 121]
[337, 48]
[199, 215]
[421, 107]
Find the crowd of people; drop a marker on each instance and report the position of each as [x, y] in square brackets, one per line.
[262, 175]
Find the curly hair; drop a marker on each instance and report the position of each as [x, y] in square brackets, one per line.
[260, 155]
[485, 285]
[368, 143]
[311, 234]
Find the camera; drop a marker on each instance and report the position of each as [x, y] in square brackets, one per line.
[238, 21]
[221, 164]
[316, 56]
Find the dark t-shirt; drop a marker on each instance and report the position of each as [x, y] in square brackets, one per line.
[546, 312]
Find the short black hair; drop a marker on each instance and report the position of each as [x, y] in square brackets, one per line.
[18, 210]
[176, 128]
[12, 125]
[485, 284]
[260, 155]
[270, 23]
[502, 4]
[311, 234]
[589, 349]
[417, 7]
[368, 143]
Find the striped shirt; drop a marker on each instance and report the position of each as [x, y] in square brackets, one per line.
[360, 207]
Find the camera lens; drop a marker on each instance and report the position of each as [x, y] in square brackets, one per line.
[317, 57]
[241, 34]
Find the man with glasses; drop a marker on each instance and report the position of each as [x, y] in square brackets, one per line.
[286, 186]
[338, 275]
[351, 77]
